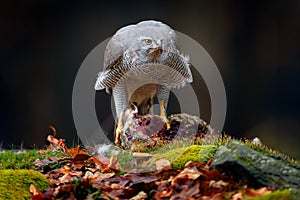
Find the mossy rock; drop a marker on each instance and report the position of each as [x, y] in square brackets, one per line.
[14, 184]
[180, 156]
[255, 169]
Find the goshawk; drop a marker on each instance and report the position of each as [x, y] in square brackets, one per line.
[143, 62]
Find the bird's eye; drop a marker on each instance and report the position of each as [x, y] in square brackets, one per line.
[148, 41]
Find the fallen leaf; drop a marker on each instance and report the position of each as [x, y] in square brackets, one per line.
[58, 143]
[75, 173]
[99, 176]
[218, 184]
[190, 173]
[75, 151]
[254, 193]
[162, 163]
[140, 196]
[237, 196]
[33, 190]
[53, 129]
[38, 195]
[100, 164]
[113, 166]
[80, 158]
[139, 154]
[218, 197]
[67, 178]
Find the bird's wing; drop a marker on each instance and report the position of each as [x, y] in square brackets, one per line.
[113, 59]
[114, 49]
[109, 77]
[180, 64]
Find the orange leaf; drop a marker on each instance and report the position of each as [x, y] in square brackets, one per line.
[218, 196]
[75, 151]
[33, 190]
[101, 165]
[53, 129]
[258, 192]
[57, 143]
[113, 166]
[237, 196]
[79, 158]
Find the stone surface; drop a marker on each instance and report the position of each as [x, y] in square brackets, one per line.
[255, 169]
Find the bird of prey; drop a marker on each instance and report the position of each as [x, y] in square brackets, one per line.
[142, 62]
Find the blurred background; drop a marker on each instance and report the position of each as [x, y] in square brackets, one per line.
[255, 45]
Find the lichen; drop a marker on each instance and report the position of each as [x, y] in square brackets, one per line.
[14, 184]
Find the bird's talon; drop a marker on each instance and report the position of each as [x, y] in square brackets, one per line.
[167, 124]
[119, 130]
[117, 136]
[163, 114]
[162, 109]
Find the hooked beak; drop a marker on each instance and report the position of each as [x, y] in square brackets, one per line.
[156, 50]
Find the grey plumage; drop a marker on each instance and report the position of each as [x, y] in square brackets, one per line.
[142, 61]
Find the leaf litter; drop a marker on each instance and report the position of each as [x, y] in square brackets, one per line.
[82, 175]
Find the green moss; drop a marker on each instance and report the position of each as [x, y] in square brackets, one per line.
[23, 160]
[277, 195]
[180, 156]
[20, 160]
[246, 161]
[164, 146]
[14, 184]
[264, 149]
[124, 158]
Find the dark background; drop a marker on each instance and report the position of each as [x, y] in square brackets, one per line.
[255, 44]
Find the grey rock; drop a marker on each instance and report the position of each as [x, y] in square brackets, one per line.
[295, 194]
[253, 168]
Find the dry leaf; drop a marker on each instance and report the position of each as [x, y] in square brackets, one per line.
[140, 196]
[162, 164]
[218, 184]
[33, 190]
[113, 166]
[254, 193]
[75, 151]
[139, 154]
[237, 196]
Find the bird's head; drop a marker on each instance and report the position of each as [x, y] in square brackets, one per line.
[149, 48]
